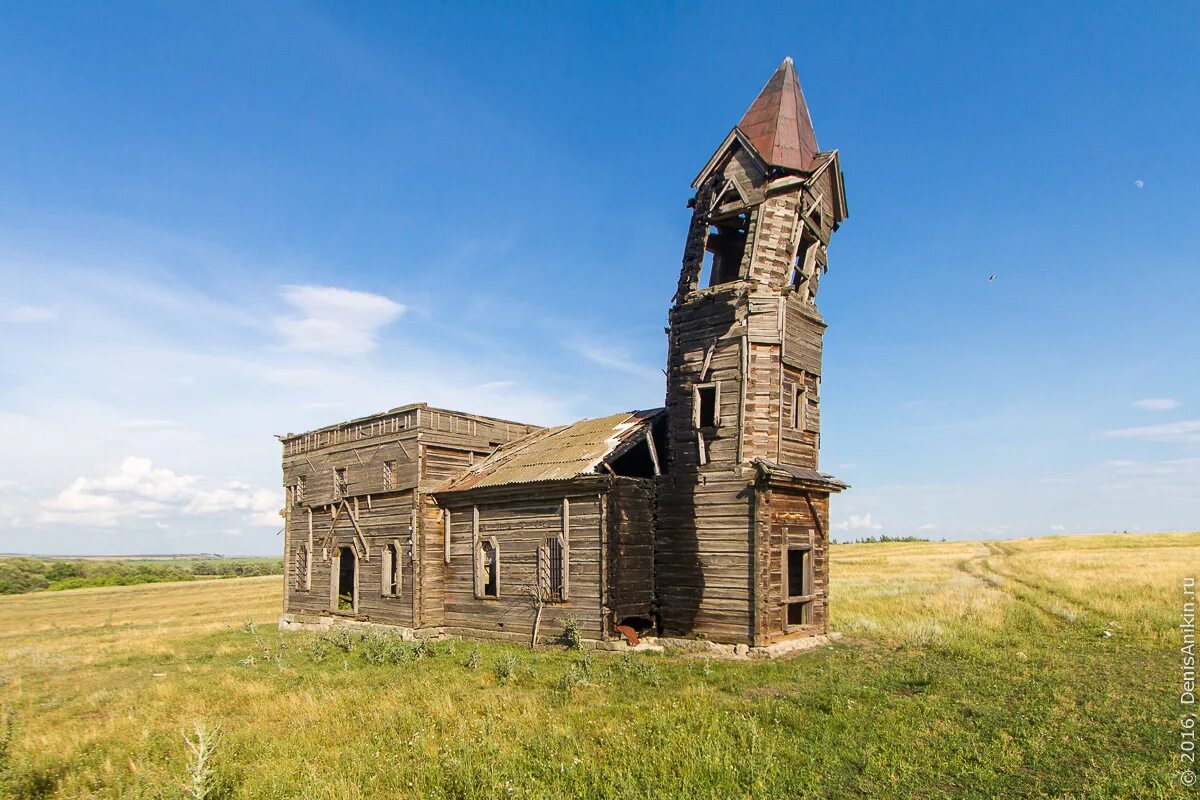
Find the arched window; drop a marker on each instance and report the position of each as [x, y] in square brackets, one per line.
[392, 570]
[488, 579]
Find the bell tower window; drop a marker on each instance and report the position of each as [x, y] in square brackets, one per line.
[724, 247]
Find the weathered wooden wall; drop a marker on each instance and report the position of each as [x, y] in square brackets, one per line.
[521, 520]
[427, 445]
[630, 549]
[788, 516]
[757, 337]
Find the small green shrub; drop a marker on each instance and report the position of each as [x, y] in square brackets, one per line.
[573, 633]
[474, 659]
[384, 647]
[505, 669]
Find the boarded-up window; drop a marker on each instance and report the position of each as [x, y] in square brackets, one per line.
[341, 483]
[389, 475]
[799, 586]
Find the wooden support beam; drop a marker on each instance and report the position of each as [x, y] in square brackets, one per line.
[653, 452]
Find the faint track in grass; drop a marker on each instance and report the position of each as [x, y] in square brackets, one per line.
[1038, 598]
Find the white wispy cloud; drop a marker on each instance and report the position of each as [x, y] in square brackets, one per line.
[1162, 468]
[1187, 430]
[1156, 404]
[28, 314]
[613, 357]
[147, 424]
[858, 522]
[335, 320]
[139, 490]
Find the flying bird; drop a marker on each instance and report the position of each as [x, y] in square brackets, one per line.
[991, 277]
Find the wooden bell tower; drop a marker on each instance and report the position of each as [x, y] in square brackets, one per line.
[743, 512]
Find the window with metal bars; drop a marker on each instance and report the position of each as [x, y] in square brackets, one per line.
[554, 552]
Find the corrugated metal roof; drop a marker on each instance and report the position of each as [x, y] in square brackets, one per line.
[560, 453]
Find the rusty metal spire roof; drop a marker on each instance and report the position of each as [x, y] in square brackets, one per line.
[778, 124]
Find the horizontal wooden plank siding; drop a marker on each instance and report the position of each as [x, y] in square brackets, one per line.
[520, 526]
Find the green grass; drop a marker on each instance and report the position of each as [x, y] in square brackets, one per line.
[967, 670]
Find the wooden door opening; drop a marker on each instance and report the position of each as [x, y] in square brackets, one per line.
[347, 587]
[799, 587]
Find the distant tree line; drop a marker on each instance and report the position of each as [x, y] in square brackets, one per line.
[22, 574]
[884, 538]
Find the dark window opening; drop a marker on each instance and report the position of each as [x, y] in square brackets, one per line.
[554, 548]
[341, 484]
[706, 406]
[347, 562]
[726, 243]
[799, 587]
[491, 569]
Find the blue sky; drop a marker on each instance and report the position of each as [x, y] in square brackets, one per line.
[220, 222]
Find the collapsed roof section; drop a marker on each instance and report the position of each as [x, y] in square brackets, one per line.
[620, 444]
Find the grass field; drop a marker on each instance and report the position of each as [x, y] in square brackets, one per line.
[967, 670]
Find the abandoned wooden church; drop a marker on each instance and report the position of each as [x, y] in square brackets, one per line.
[706, 520]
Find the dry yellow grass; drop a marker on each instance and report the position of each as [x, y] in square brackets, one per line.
[969, 669]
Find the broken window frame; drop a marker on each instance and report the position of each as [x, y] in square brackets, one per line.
[341, 481]
[392, 569]
[299, 490]
[803, 602]
[719, 229]
[483, 580]
[697, 405]
[389, 475]
[799, 406]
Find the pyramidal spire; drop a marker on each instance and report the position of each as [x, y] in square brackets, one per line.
[777, 122]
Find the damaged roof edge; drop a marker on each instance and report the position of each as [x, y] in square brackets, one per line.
[820, 480]
[563, 453]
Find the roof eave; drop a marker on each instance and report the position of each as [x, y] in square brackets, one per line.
[735, 135]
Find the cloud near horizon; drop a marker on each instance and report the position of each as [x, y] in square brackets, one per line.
[139, 490]
[1187, 430]
[1156, 404]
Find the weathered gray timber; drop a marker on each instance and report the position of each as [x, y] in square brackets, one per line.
[707, 520]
